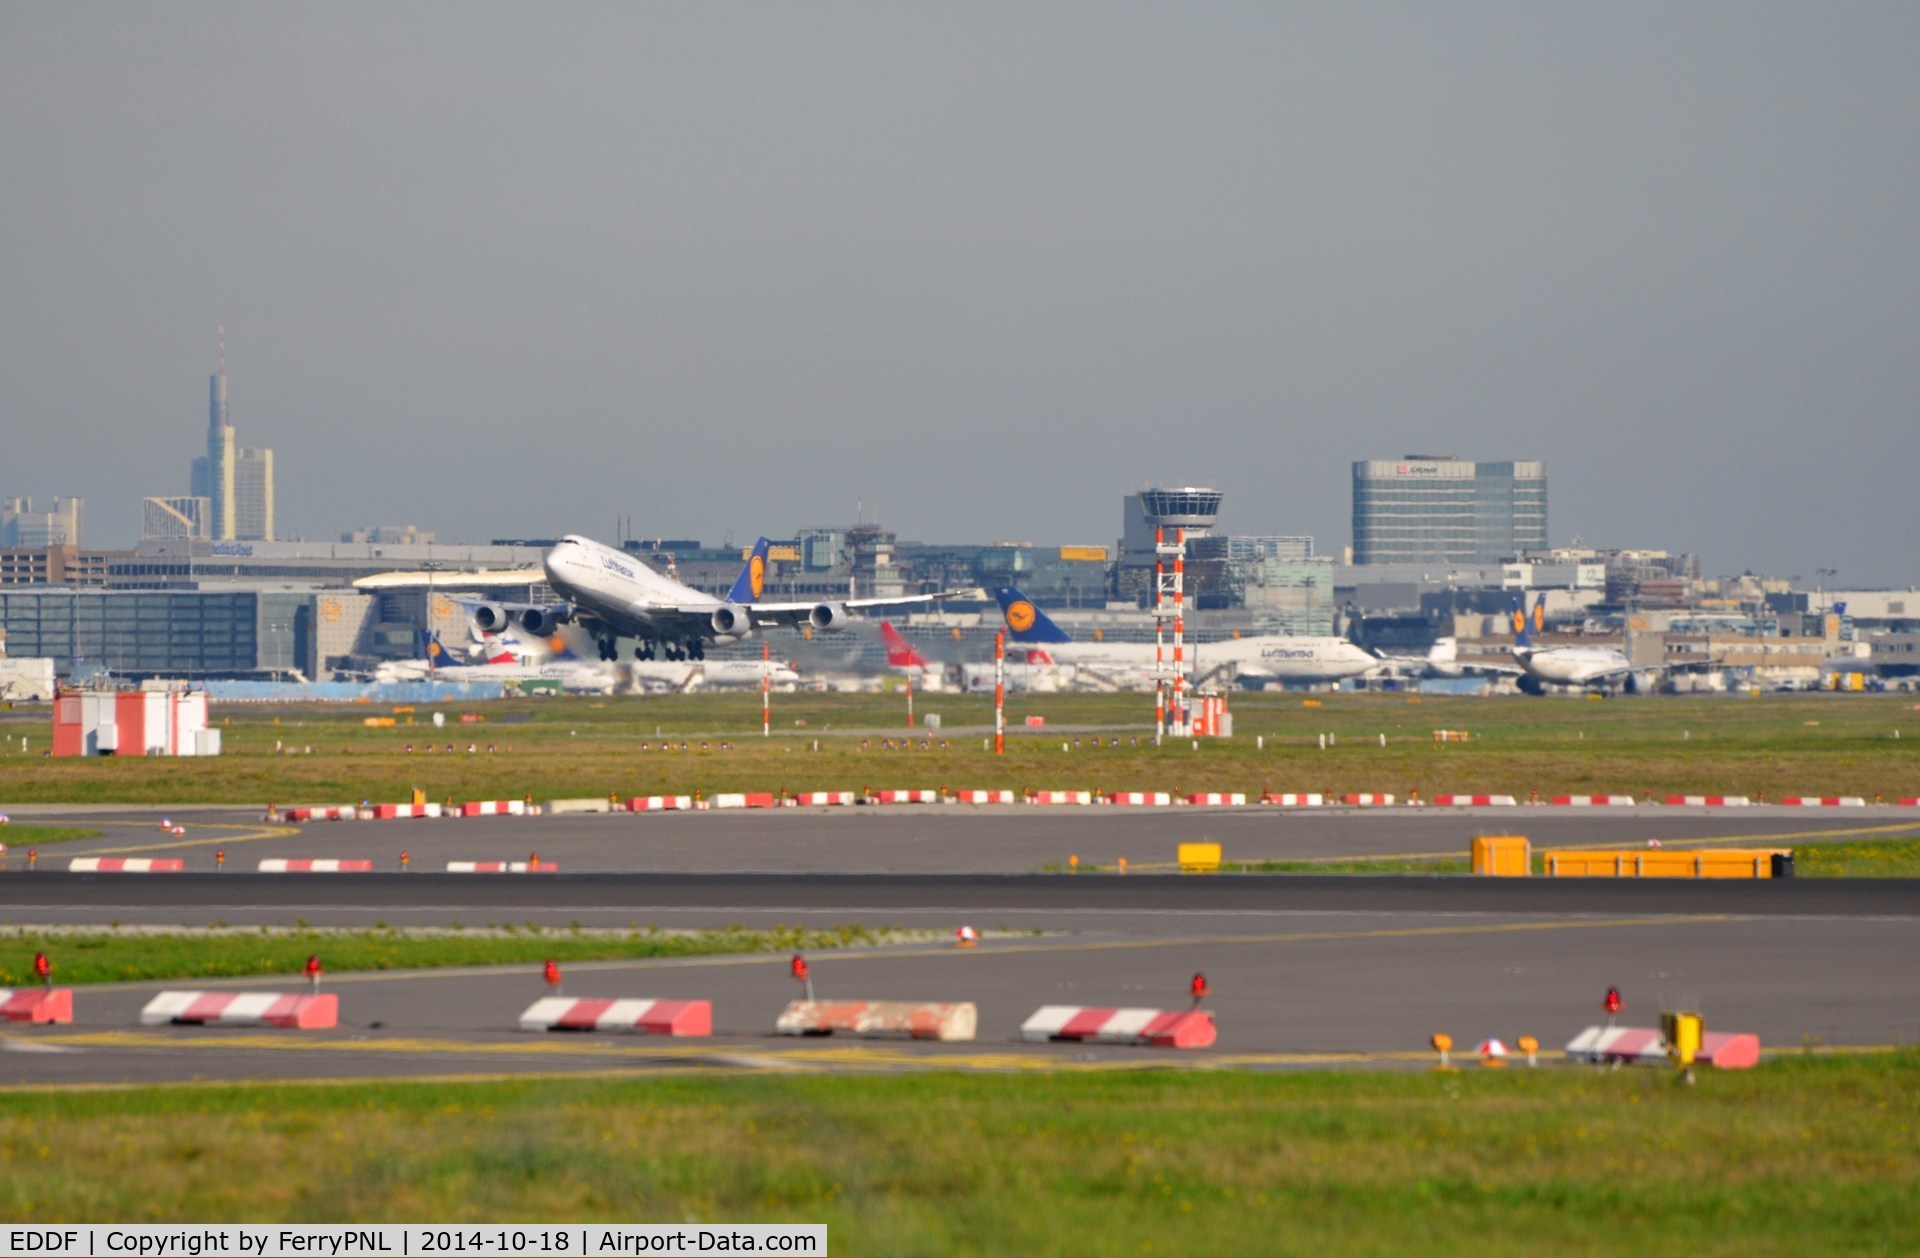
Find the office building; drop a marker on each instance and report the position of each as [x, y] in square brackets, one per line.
[1425, 509]
[238, 483]
[21, 525]
[184, 516]
[253, 496]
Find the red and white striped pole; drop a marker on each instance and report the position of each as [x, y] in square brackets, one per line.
[1000, 693]
[766, 688]
[1182, 726]
[1159, 642]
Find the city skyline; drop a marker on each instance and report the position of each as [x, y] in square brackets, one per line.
[974, 273]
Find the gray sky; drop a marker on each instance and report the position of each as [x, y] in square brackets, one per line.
[519, 270]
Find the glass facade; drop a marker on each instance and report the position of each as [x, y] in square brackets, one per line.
[163, 634]
[1425, 510]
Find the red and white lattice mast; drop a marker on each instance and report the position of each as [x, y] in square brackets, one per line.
[1169, 605]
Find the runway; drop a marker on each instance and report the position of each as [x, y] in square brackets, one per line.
[1305, 969]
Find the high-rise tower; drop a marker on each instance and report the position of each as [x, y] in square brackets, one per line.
[238, 483]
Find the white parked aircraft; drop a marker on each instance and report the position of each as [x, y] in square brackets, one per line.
[613, 595]
[1592, 667]
[503, 662]
[1266, 658]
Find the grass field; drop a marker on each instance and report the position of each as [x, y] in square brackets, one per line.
[1781, 744]
[1802, 1156]
[23, 837]
[109, 956]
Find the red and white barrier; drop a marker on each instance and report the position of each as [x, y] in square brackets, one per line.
[1146, 799]
[494, 808]
[501, 867]
[1215, 799]
[823, 799]
[1367, 799]
[1708, 801]
[125, 865]
[879, 1018]
[641, 1017]
[42, 1005]
[1910, 803]
[1823, 801]
[1725, 1050]
[1475, 801]
[659, 803]
[1060, 797]
[335, 812]
[327, 865]
[906, 797]
[983, 797]
[1180, 1028]
[1293, 801]
[301, 1011]
[756, 799]
[1593, 801]
[401, 812]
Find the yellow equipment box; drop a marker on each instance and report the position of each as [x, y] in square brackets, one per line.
[1724, 862]
[1197, 858]
[1503, 855]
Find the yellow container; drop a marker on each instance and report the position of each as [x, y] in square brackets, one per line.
[1726, 862]
[1503, 855]
[1199, 858]
[1683, 1033]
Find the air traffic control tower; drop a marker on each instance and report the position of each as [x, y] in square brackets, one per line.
[1188, 507]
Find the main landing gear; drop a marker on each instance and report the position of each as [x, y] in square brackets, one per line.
[691, 649]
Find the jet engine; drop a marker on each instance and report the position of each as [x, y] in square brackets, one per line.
[730, 620]
[489, 617]
[1530, 685]
[542, 622]
[830, 617]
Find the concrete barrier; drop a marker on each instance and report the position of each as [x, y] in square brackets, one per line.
[598, 804]
[281, 865]
[1060, 797]
[1293, 801]
[751, 799]
[983, 797]
[906, 797]
[1823, 801]
[329, 812]
[404, 812]
[1214, 799]
[660, 803]
[302, 1011]
[637, 1017]
[494, 808]
[1367, 799]
[42, 1005]
[1181, 1028]
[501, 867]
[1722, 1049]
[1475, 801]
[1146, 799]
[1593, 801]
[1708, 801]
[823, 799]
[125, 865]
[879, 1018]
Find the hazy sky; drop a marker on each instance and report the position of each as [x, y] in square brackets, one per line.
[520, 270]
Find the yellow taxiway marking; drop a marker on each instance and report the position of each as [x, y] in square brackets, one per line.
[245, 834]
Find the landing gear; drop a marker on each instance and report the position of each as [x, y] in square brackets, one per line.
[609, 650]
[643, 651]
[696, 649]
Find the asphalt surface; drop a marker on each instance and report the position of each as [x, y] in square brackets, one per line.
[1304, 969]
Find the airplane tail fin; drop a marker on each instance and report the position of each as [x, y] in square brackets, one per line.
[900, 652]
[1025, 622]
[1540, 613]
[1522, 633]
[749, 586]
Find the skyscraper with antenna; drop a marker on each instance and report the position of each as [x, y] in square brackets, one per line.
[238, 484]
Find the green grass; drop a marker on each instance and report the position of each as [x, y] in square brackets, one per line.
[1802, 1156]
[23, 837]
[1868, 858]
[1783, 744]
[81, 956]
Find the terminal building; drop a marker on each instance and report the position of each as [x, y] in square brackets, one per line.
[1426, 509]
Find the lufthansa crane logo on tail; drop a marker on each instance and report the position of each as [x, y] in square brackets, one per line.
[1519, 620]
[1020, 616]
[756, 575]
